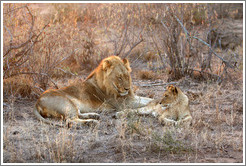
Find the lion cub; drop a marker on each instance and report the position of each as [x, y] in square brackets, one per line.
[171, 109]
[175, 107]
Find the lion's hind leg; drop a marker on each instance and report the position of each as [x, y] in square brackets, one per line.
[78, 121]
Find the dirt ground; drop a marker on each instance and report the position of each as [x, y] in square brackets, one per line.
[215, 136]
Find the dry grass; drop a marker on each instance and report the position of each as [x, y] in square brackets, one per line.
[216, 133]
[147, 75]
[17, 87]
[76, 39]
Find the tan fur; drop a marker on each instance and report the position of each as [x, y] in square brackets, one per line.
[108, 87]
[171, 109]
[177, 109]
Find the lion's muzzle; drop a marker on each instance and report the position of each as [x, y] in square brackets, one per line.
[121, 92]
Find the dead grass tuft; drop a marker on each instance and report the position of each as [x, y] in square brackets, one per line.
[150, 56]
[17, 87]
[147, 75]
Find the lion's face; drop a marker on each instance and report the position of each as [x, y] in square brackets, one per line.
[170, 95]
[121, 81]
[117, 78]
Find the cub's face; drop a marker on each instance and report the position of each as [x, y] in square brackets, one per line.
[170, 95]
[117, 77]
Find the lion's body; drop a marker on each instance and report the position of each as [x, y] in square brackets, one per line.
[108, 87]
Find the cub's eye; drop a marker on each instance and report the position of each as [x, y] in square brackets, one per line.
[119, 78]
[165, 95]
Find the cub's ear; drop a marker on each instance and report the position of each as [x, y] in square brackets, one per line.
[175, 91]
[106, 64]
[172, 89]
[127, 64]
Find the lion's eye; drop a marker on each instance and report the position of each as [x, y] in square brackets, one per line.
[119, 78]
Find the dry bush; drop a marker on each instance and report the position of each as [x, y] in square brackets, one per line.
[229, 10]
[18, 87]
[182, 47]
[78, 36]
[150, 56]
[122, 26]
[34, 47]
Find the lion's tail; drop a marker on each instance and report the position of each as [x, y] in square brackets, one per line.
[37, 114]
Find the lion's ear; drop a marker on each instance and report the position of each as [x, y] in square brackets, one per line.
[127, 64]
[106, 64]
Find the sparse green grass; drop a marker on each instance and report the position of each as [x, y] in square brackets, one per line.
[168, 143]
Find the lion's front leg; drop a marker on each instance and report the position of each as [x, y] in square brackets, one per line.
[137, 102]
[167, 121]
[185, 121]
[150, 109]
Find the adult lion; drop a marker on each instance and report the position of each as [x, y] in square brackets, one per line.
[172, 109]
[108, 87]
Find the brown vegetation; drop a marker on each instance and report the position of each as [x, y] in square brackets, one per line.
[198, 47]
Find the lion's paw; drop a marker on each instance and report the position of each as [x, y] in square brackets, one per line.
[91, 122]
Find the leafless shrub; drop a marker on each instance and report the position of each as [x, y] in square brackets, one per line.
[178, 42]
[19, 44]
[124, 31]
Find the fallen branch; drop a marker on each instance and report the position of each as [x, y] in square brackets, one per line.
[219, 80]
[157, 84]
